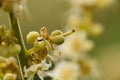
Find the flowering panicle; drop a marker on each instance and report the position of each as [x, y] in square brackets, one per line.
[19, 63]
[39, 59]
[8, 48]
[75, 49]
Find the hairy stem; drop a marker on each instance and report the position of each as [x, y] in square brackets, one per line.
[15, 27]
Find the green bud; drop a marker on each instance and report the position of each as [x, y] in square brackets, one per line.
[2, 28]
[14, 49]
[56, 32]
[8, 5]
[9, 76]
[57, 39]
[18, 9]
[32, 36]
[4, 51]
[40, 45]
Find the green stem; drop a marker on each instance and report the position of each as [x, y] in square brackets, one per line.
[22, 61]
[68, 33]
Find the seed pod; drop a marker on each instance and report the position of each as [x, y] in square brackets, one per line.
[57, 39]
[56, 32]
[32, 36]
[15, 49]
[9, 76]
[40, 45]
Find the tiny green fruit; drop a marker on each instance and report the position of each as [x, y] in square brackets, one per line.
[56, 32]
[57, 39]
[32, 36]
[15, 49]
[40, 45]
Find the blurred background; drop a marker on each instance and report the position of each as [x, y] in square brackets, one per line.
[50, 13]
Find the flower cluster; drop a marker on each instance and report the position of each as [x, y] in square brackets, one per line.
[75, 49]
[8, 43]
[18, 62]
[8, 48]
[40, 56]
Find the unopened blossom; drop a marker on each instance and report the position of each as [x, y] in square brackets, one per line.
[18, 7]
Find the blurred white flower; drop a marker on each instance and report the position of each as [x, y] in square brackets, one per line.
[76, 45]
[96, 30]
[67, 71]
[89, 70]
[104, 3]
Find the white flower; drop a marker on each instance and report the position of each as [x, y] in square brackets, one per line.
[9, 76]
[39, 69]
[89, 70]
[67, 71]
[76, 45]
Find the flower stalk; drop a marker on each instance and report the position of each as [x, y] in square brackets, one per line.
[15, 28]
